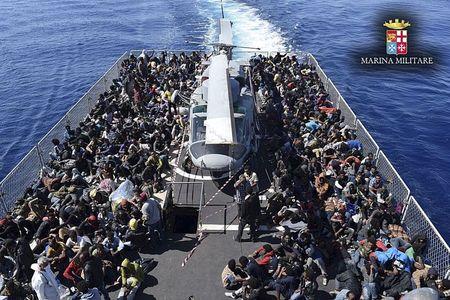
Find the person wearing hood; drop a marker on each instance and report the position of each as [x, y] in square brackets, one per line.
[44, 281]
[136, 234]
[322, 186]
[350, 192]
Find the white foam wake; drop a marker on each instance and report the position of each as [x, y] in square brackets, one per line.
[249, 28]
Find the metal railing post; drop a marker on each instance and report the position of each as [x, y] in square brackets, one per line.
[200, 206]
[66, 120]
[405, 208]
[225, 220]
[89, 99]
[2, 200]
[39, 152]
[105, 82]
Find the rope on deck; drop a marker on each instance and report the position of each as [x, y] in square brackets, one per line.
[227, 182]
[200, 237]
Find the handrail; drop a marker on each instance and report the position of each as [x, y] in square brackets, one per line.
[440, 256]
[412, 199]
[417, 222]
[157, 51]
[360, 126]
[29, 164]
[393, 169]
[82, 97]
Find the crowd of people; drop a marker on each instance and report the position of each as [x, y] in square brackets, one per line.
[338, 216]
[93, 206]
[77, 230]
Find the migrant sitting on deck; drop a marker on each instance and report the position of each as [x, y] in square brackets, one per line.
[93, 204]
[334, 207]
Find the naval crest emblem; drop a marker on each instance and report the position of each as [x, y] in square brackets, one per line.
[397, 37]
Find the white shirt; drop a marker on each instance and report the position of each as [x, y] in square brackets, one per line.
[81, 241]
[70, 243]
[253, 180]
[151, 211]
[44, 283]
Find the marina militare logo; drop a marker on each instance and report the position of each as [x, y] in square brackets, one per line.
[396, 40]
[397, 37]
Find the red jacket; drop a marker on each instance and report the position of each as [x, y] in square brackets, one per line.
[263, 258]
[71, 269]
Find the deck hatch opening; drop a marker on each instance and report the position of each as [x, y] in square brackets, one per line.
[185, 220]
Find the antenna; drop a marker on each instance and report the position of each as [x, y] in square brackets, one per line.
[221, 7]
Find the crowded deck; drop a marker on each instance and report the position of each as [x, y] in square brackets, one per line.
[108, 215]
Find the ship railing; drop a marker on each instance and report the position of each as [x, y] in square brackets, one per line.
[396, 186]
[156, 52]
[313, 62]
[237, 53]
[80, 110]
[369, 144]
[417, 222]
[27, 171]
[414, 219]
[22, 176]
[346, 111]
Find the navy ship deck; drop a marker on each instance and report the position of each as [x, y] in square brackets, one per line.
[201, 275]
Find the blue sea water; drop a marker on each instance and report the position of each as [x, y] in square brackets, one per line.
[51, 52]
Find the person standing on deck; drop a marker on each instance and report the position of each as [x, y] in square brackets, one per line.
[241, 186]
[250, 211]
[252, 179]
[151, 214]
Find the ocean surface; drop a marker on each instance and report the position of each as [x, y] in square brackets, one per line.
[51, 52]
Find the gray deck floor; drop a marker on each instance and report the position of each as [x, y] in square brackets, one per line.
[201, 276]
